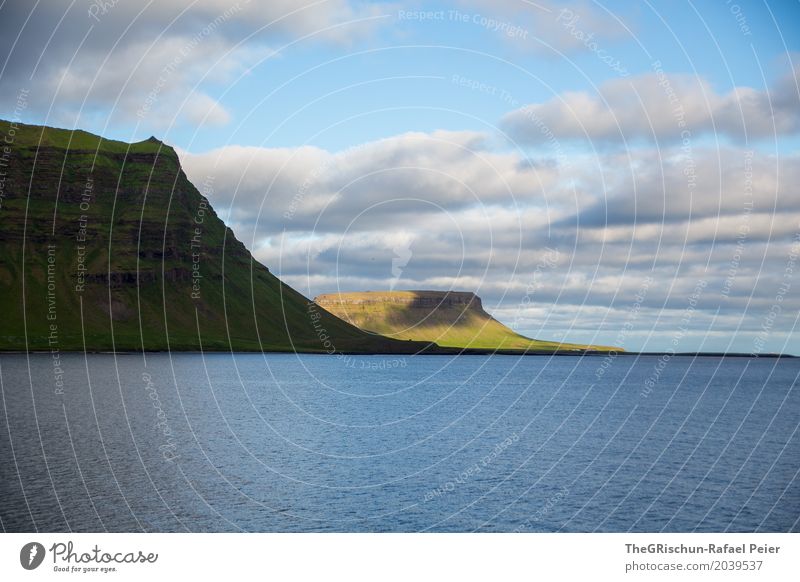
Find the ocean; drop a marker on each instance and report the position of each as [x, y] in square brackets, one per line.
[283, 442]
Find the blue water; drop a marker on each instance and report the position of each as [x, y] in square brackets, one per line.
[317, 443]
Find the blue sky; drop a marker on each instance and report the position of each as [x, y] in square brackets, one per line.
[441, 49]
[475, 136]
[696, 38]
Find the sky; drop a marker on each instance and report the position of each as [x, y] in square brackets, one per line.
[620, 173]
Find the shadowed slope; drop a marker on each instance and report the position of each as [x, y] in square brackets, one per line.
[451, 319]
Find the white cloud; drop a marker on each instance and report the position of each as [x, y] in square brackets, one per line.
[630, 217]
[153, 82]
[660, 106]
[398, 178]
[107, 60]
[203, 110]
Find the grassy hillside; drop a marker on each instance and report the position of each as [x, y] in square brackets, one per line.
[107, 245]
[451, 319]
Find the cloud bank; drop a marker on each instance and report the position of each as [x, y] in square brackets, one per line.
[475, 218]
[155, 63]
[660, 106]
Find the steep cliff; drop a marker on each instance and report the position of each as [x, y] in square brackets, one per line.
[107, 245]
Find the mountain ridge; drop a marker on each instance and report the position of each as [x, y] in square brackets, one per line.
[109, 246]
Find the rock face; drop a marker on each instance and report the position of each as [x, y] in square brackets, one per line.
[107, 245]
[449, 318]
[411, 299]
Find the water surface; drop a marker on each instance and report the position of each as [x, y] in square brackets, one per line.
[252, 442]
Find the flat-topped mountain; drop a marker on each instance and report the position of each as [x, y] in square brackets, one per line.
[449, 318]
[107, 245]
[412, 299]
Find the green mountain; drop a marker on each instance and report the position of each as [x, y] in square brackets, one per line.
[453, 319]
[107, 245]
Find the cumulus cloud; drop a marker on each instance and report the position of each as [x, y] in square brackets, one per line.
[153, 82]
[203, 110]
[468, 217]
[400, 178]
[669, 186]
[123, 61]
[661, 106]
